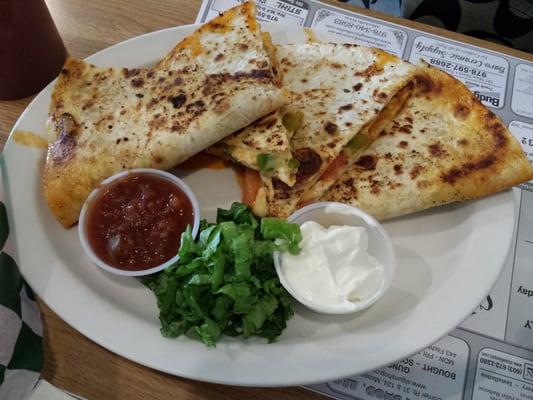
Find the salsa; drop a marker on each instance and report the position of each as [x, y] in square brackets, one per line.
[136, 222]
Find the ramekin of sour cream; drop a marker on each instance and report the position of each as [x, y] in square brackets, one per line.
[346, 262]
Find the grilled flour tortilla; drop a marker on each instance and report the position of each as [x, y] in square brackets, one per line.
[444, 147]
[264, 145]
[340, 90]
[104, 120]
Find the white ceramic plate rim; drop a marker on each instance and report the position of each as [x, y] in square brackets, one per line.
[250, 363]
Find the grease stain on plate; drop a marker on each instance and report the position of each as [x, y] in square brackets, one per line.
[30, 139]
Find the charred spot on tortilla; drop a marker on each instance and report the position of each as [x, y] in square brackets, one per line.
[426, 86]
[369, 71]
[137, 82]
[466, 169]
[375, 187]
[405, 128]
[436, 150]
[157, 121]
[282, 189]
[196, 108]
[398, 170]
[415, 171]
[357, 87]
[498, 132]
[128, 73]
[367, 162]
[489, 116]
[177, 101]
[403, 144]
[461, 111]
[310, 163]
[331, 128]
[379, 96]
[255, 74]
[348, 182]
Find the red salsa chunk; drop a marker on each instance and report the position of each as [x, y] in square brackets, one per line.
[136, 222]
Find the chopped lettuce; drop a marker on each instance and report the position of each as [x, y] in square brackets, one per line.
[225, 281]
[275, 228]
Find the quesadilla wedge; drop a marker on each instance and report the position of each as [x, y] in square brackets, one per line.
[341, 91]
[263, 145]
[443, 147]
[104, 120]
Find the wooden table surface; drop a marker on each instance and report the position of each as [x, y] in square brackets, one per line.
[73, 362]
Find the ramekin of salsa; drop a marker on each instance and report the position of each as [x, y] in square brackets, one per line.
[132, 223]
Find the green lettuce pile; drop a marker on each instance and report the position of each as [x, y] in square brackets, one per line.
[225, 282]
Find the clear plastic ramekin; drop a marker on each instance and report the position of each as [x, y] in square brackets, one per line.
[379, 246]
[82, 226]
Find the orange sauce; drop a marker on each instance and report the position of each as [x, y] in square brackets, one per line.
[251, 21]
[249, 182]
[384, 57]
[239, 175]
[335, 168]
[192, 43]
[223, 23]
[30, 139]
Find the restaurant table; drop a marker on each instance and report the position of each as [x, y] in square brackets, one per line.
[73, 362]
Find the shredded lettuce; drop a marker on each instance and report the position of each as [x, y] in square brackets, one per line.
[225, 282]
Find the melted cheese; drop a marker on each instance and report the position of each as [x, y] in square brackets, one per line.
[392, 109]
[311, 37]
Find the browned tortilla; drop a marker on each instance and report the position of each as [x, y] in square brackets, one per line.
[444, 147]
[105, 120]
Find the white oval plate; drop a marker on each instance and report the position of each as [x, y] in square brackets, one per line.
[448, 259]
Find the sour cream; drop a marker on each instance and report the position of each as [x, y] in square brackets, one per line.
[333, 268]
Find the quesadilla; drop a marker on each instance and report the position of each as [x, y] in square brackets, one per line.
[443, 147]
[341, 91]
[104, 120]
